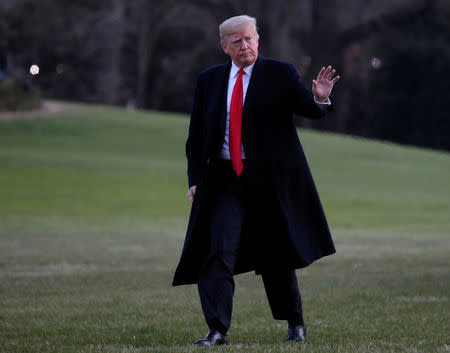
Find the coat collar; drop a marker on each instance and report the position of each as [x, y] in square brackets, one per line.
[256, 82]
[235, 69]
[255, 79]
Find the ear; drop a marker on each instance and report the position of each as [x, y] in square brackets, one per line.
[257, 39]
[224, 46]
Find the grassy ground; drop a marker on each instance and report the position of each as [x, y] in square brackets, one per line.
[92, 219]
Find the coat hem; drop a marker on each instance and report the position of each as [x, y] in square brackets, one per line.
[176, 283]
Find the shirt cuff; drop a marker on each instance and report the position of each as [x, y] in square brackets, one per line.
[323, 105]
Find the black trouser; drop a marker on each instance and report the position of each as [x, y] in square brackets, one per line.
[216, 284]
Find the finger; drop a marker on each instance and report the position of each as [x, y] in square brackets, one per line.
[336, 79]
[331, 74]
[320, 74]
[327, 71]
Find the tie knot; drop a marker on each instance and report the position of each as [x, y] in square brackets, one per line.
[241, 72]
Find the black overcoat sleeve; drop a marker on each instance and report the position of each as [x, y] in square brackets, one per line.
[302, 99]
[194, 141]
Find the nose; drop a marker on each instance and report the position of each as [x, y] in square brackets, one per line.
[244, 45]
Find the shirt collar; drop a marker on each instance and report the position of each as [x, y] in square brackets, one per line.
[234, 69]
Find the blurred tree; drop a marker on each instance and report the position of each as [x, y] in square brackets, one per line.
[147, 53]
[410, 94]
[172, 40]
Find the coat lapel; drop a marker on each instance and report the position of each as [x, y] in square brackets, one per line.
[256, 82]
[223, 86]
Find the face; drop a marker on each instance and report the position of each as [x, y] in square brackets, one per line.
[242, 47]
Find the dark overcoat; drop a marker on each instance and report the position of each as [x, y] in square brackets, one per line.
[286, 226]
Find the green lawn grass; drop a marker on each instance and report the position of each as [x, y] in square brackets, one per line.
[93, 211]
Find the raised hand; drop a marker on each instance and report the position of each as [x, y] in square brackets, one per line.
[323, 84]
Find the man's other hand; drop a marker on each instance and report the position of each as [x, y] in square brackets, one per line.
[191, 192]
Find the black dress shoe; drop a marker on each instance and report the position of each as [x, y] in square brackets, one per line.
[296, 334]
[213, 338]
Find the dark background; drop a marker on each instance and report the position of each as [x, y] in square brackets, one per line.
[393, 55]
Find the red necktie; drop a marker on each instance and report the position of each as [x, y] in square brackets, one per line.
[235, 124]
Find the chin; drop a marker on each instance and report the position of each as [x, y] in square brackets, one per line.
[247, 61]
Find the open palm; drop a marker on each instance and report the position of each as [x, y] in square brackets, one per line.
[323, 84]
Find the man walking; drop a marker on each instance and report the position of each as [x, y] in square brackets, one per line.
[255, 205]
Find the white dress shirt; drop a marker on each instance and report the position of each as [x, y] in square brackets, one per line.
[234, 73]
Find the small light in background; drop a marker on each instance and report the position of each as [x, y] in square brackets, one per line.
[34, 70]
[376, 63]
[60, 68]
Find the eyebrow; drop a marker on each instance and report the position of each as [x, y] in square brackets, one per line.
[241, 38]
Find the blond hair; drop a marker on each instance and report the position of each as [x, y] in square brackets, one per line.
[235, 24]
